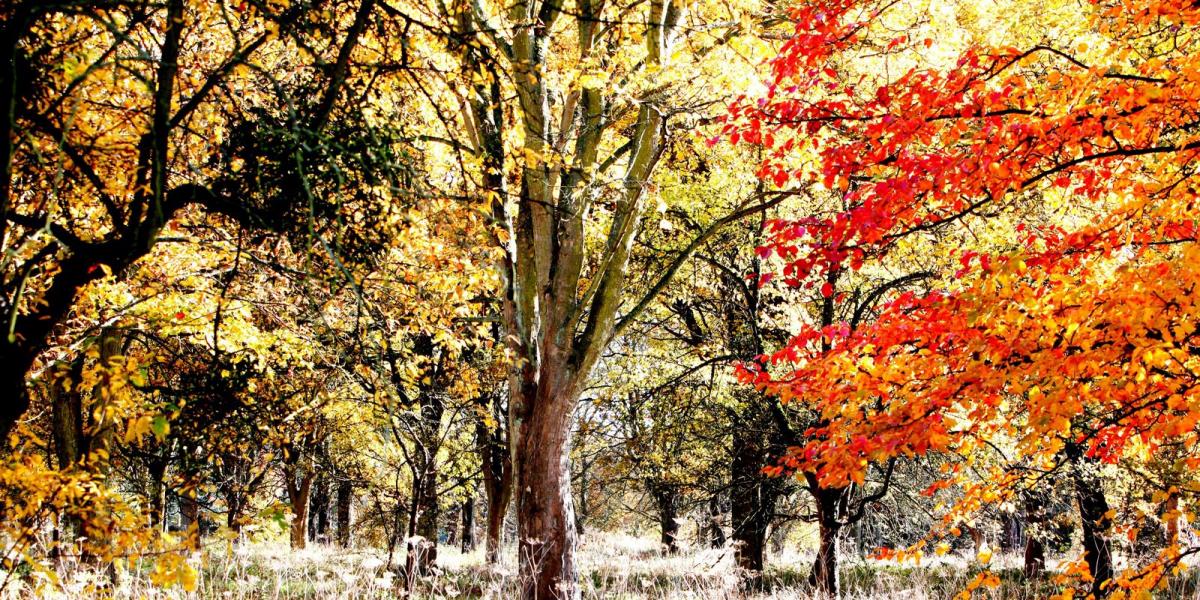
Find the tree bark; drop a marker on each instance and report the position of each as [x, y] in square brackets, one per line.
[715, 522]
[345, 496]
[497, 508]
[752, 499]
[1094, 519]
[468, 524]
[299, 486]
[545, 512]
[157, 471]
[318, 511]
[1035, 558]
[824, 575]
[189, 514]
[66, 410]
[1171, 516]
[423, 546]
[582, 513]
[665, 500]
[497, 473]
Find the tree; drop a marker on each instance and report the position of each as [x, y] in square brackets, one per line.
[1055, 333]
[87, 185]
[583, 157]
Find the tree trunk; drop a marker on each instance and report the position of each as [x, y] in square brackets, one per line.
[1035, 558]
[1094, 519]
[824, 575]
[1171, 516]
[582, 513]
[497, 508]
[715, 522]
[752, 504]
[318, 511]
[1093, 516]
[497, 476]
[66, 410]
[235, 505]
[299, 486]
[545, 515]
[665, 500]
[189, 515]
[157, 472]
[66, 414]
[468, 524]
[345, 496]
[422, 546]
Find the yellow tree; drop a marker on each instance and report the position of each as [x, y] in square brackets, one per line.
[558, 114]
[119, 116]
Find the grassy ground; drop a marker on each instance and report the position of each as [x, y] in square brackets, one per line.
[611, 567]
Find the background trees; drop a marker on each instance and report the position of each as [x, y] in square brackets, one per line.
[314, 262]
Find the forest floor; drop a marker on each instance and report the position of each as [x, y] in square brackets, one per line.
[611, 566]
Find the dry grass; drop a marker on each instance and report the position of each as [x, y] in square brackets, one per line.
[611, 566]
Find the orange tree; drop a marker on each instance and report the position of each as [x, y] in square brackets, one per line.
[1075, 333]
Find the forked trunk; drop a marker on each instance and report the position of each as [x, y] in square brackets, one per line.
[423, 546]
[318, 511]
[298, 488]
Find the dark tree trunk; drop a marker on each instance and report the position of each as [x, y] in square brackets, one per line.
[66, 414]
[318, 511]
[345, 496]
[1035, 558]
[157, 472]
[422, 547]
[665, 501]
[1094, 520]
[66, 411]
[716, 520]
[496, 460]
[752, 503]
[497, 509]
[425, 515]
[235, 507]
[468, 524]
[189, 515]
